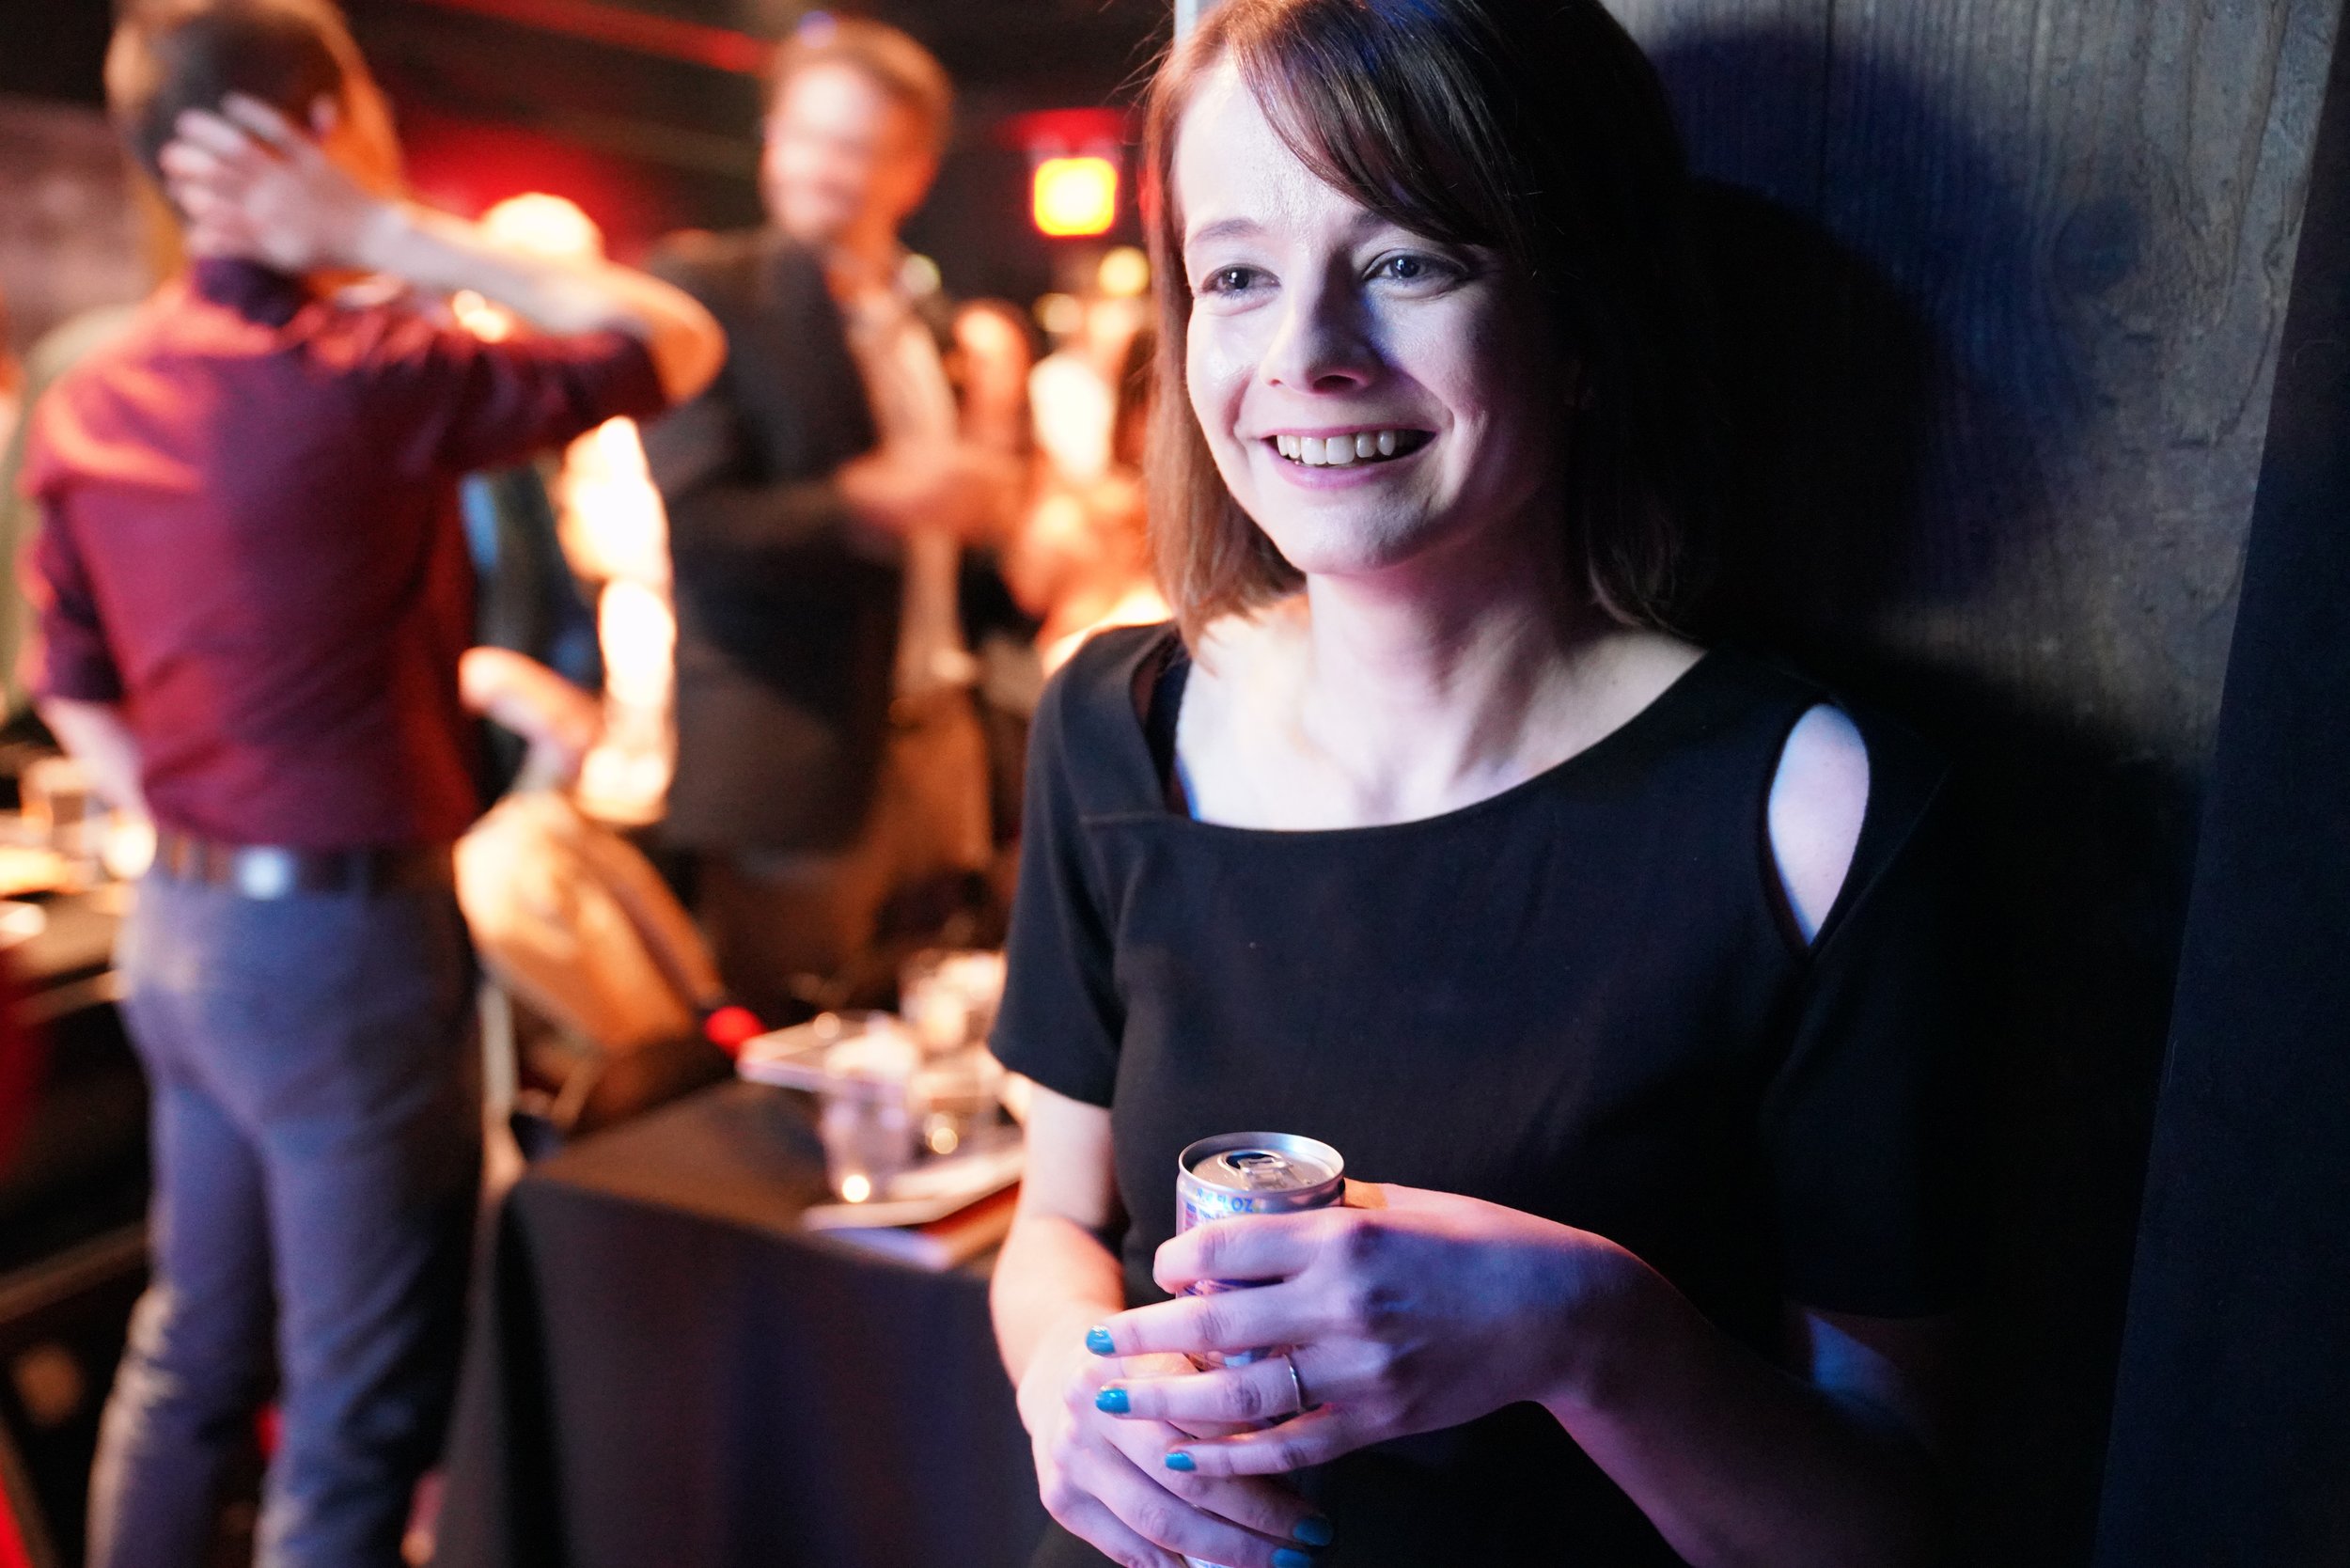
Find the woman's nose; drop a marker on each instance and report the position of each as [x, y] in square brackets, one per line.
[1320, 344]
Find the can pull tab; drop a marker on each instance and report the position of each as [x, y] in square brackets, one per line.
[1259, 1169]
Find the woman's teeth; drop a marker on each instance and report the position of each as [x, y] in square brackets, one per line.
[1337, 451]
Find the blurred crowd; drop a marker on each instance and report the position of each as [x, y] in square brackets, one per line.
[681, 627]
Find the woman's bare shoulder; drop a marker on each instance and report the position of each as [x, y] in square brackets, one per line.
[1647, 662]
[1617, 675]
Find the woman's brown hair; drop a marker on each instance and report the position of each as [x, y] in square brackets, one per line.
[1532, 127]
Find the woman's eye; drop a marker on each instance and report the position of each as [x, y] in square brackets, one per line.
[1408, 268]
[1230, 280]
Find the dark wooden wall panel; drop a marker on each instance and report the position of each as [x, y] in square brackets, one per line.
[2232, 1424]
[2002, 284]
[1750, 80]
[2100, 230]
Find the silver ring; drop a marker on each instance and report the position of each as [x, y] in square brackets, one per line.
[1296, 1383]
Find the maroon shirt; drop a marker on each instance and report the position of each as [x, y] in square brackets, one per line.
[250, 539]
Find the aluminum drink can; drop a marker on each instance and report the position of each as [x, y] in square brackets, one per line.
[1235, 1174]
[1250, 1173]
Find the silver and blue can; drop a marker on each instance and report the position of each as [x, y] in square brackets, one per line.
[1236, 1174]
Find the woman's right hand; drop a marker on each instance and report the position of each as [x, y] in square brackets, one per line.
[1105, 1479]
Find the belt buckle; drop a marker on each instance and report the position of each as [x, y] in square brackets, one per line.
[265, 871]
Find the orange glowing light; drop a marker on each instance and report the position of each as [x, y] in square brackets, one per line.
[1076, 196]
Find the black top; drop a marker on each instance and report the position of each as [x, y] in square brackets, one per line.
[787, 602]
[1583, 997]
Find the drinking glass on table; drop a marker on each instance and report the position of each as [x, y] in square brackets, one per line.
[865, 1113]
[63, 810]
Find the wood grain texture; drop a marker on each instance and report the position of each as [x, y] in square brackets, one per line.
[2230, 1433]
[2089, 209]
[2099, 235]
[2001, 284]
[1748, 81]
[2095, 205]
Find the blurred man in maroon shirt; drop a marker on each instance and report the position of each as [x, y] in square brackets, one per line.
[253, 593]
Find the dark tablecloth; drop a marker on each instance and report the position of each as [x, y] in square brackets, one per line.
[667, 1371]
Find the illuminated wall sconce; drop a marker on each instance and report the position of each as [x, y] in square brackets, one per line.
[1075, 168]
[1076, 196]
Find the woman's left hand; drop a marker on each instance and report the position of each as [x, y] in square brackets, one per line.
[1406, 1312]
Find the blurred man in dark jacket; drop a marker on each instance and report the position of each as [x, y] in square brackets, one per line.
[821, 497]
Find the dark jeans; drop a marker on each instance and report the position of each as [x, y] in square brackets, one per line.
[317, 1150]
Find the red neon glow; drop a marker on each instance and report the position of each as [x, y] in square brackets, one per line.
[695, 43]
[14, 1552]
[1051, 132]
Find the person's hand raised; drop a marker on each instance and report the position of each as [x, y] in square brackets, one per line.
[253, 185]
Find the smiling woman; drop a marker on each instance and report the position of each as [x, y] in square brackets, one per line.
[1534, 149]
[1615, 965]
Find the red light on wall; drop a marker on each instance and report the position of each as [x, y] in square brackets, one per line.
[1076, 196]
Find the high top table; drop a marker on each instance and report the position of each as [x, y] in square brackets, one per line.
[665, 1371]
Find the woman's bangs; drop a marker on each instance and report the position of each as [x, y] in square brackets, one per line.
[1346, 89]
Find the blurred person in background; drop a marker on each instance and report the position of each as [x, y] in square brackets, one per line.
[1082, 559]
[611, 533]
[253, 595]
[992, 355]
[571, 556]
[821, 498]
[526, 596]
[615, 536]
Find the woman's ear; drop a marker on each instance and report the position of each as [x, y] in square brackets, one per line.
[326, 113]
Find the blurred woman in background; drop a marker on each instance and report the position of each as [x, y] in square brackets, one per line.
[1082, 559]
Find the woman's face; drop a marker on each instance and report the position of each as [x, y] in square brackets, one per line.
[1372, 396]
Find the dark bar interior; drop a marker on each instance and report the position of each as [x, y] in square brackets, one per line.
[1654, 684]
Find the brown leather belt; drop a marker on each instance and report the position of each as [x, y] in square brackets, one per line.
[277, 871]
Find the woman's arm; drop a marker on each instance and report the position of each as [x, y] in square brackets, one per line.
[1053, 1279]
[1103, 1477]
[1431, 1309]
[1739, 1464]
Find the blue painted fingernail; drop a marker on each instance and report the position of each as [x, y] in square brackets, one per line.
[1111, 1402]
[1314, 1531]
[1179, 1460]
[1098, 1342]
[1287, 1558]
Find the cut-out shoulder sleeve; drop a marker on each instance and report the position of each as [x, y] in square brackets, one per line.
[1818, 799]
[1867, 1125]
